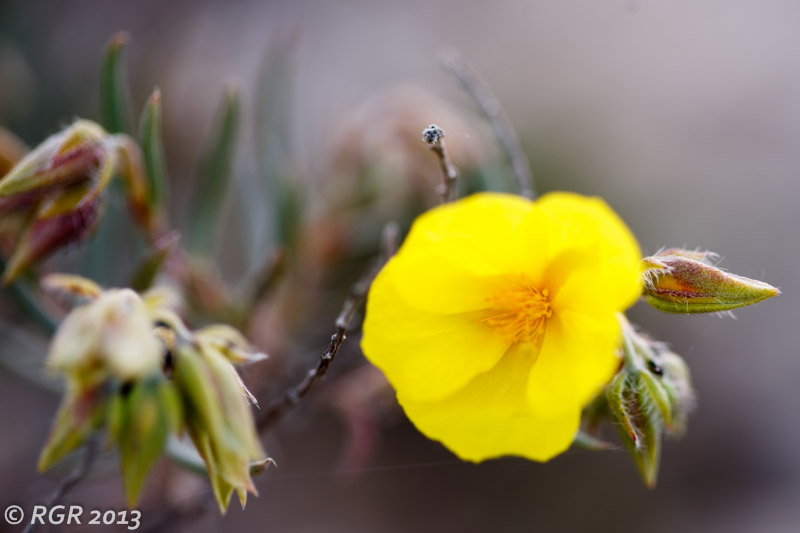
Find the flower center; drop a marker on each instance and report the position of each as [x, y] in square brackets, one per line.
[518, 311]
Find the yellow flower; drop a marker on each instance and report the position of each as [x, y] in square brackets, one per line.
[495, 322]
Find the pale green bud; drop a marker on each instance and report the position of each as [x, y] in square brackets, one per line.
[109, 337]
[230, 343]
[219, 419]
[143, 416]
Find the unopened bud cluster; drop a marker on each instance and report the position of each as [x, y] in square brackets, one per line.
[133, 367]
[652, 395]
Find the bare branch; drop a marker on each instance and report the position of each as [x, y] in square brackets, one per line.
[434, 136]
[493, 111]
[358, 293]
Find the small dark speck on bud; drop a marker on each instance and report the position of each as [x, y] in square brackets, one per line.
[655, 368]
[432, 134]
[126, 388]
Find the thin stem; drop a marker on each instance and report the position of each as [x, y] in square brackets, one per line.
[490, 106]
[434, 136]
[292, 397]
[358, 293]
[23, 296]
[91, 453]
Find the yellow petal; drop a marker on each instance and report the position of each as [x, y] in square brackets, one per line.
[478, 231]
[435, 282]
[490, 417]
[605, 289]
[426, 354]
[531, 249]
[583, 220]
[578, 357]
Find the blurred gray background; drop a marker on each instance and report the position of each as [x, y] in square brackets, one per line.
[684, 115]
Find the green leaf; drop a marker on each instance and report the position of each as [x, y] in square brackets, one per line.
[115, 107]
[153, 150]
[214, 176]
[274, 138]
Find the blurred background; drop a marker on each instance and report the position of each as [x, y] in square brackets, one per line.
[684, 116]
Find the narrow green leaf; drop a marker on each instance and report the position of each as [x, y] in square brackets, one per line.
[214, 176]
[274, 136]
[115, 107]
[153, 150]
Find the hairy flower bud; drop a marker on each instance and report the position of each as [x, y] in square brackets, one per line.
[58, 188]
[64, 158]
[685, 281]
[652, 394]
[632, 409]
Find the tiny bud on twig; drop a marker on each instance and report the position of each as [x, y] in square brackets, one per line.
[434, 136]
[490, 107]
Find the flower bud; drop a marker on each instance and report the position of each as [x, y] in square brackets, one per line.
[65, 158]
[230, 343]
[685, 281]
[651, 395]
[140, 419]
[58, 187]
[109, 337]
[218, 419]
[72, 285]
[677, 382]
[632, 409]
[132, 365]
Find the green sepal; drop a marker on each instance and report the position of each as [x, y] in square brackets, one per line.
[81, 412]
